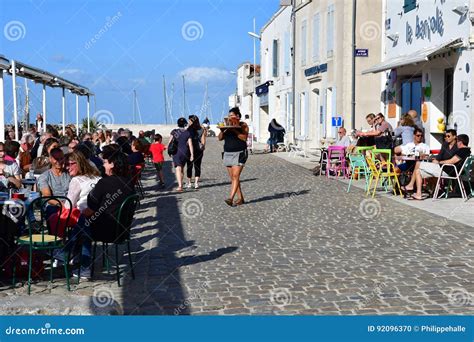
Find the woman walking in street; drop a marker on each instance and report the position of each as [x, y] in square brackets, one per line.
[181, 148]
[235, 153]
[198, 137]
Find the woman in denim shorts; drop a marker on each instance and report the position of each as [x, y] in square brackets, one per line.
[235, 154]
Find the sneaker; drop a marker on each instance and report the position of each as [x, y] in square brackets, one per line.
[188, 186]
[85, 272]
[196, 186]
[57, 263]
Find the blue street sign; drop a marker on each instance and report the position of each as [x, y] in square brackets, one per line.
[336, 121]
[361, 52]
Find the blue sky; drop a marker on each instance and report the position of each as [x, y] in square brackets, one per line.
[114, 47]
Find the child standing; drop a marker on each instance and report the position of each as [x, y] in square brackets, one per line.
[156, 150]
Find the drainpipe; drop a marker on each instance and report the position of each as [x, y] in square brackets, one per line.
[354, 10]
[293, 70]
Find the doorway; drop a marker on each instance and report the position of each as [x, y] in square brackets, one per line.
[411, 95]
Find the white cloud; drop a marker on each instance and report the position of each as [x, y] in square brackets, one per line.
[138, 81]
[203, 74]
[71, 72]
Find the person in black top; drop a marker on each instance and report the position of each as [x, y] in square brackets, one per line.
[98, 222]
[433, 169]
[449, 147]
[198, 138]
[235, 153]
[448, 150]
[136, 157]
[277, 134]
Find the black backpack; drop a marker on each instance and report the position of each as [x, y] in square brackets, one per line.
[173, 147]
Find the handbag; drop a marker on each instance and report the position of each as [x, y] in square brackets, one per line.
[59, 227]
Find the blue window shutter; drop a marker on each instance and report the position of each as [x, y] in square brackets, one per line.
[316, 25]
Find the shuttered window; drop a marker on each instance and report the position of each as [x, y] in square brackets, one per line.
[303, 42]
[316, 24]
[330, 31]
[275, 58]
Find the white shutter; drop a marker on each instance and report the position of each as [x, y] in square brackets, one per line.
[297, 116]
[316, 24]
[330, 31]
[334, 110]
[303, 43]
[306, 115]
[287, 52]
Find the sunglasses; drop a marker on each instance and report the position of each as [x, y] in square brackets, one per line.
[418, 135]
[72, 163]
[448, 136]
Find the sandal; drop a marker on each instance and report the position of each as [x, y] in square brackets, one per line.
[414, 198]
[179, 190]
[240, 202]
[229, 202]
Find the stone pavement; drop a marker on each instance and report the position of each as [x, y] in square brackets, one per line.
[301, 245]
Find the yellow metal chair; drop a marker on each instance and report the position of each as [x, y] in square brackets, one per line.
[377, 174]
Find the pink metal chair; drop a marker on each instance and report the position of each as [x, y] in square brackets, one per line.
[336, 161]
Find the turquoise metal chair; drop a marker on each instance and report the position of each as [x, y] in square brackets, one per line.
[358, 165]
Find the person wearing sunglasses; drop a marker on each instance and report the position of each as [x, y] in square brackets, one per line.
[449, 147]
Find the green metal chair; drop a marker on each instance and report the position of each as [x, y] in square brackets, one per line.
[123, 223]
[363, 149]
[384, 151]
[358, 165]
[43, 234]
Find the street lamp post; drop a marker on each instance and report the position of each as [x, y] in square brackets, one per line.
[255, 36]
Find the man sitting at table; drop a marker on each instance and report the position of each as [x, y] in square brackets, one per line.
[413, 148]
[10, 172]
[433, 169]
[342, 138]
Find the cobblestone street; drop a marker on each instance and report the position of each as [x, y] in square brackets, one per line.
[301, 245]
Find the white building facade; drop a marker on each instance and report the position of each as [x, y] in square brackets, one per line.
[274, 94]
[428, 64]
[324, 67]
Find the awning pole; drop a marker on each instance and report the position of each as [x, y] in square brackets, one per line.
[88, 114]
[64, 112]
[44, 107]
[77, 115]
[2, 109]
[15, 108]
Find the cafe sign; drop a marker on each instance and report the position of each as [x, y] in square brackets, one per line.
[424, 28]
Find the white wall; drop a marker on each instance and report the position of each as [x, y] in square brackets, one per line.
[278, 28]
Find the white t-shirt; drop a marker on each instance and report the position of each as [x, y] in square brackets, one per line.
[11, 169]
[411, 148]
[344, 141]
[79, 188]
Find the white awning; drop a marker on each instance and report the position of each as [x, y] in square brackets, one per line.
[416, 57]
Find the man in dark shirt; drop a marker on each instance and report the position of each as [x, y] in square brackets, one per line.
[449, 147]
[433, 169]
[448, 150]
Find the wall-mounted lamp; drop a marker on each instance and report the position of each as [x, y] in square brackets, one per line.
[393, 36]
[461, 10]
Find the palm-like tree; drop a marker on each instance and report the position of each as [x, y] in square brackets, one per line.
[93, 123]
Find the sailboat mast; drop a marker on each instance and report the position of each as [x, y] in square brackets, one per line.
[184, 97]
[166, 100]
[134, 104]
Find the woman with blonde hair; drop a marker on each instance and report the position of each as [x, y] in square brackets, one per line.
[83, 179]
[405, 130]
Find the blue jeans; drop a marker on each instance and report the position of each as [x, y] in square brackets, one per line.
[81, 230]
